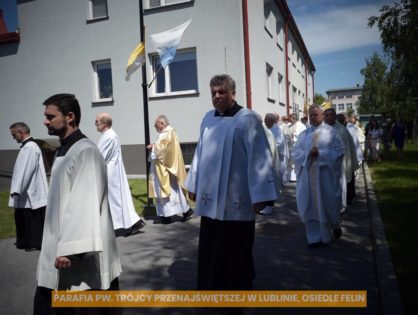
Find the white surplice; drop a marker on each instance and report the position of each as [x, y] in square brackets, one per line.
[78, 221]
[318, 187]
[282, 149]
[120, 198]
[232, 167]
[295, 130]
[29, 179]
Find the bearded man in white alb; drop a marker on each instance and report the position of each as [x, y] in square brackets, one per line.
[79, 247]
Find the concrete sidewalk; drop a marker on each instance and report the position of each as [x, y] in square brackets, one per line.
[164, 257]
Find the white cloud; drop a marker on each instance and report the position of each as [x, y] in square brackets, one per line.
[338, 29]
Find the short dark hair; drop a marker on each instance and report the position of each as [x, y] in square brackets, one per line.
[220, 79]
[20, 126]
[66, 103]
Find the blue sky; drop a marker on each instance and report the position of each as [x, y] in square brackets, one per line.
[337, 38]
[9, 14]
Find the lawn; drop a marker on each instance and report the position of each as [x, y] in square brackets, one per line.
[7, 226]
[396, 185]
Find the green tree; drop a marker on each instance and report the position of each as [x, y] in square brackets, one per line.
[318, 99]
[399, 32]
[374, 98]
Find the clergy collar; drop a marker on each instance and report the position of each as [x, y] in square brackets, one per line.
[28, 139]
[230, 111]
[68, 141]
[316, 127]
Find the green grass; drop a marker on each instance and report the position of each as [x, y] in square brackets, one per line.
[7, 225]
[7, 221]
[396, 185]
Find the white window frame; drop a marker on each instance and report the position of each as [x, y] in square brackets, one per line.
[96, 86]
[281, 88]
[269, 83]
[168, 91]
[268, 20]
[163, 3]
[349, 106]
[91, 17]
[341, 107]
[280, 33]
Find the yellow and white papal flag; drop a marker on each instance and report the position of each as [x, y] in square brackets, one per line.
[136, 60]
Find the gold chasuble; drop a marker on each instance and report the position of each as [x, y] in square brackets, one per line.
[169, 161]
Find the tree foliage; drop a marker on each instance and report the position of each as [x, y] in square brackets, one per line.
[374, 98]
[398, 27]
[318, 99]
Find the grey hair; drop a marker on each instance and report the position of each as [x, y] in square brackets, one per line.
[220, 79]
[164, 119]
[21, 126]
[314, 106]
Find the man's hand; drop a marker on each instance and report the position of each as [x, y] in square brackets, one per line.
[15, 194]
[314, 153]
[149, 146]
[62, 262]
[191, 195]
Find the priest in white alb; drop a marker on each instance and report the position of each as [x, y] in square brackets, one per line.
[28, 190]
[167, 174]
[231, 179]
[318, 155]
[126, 221]
[350, 162]
[79, 247]
[295, 127]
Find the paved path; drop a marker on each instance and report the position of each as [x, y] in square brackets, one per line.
[164, 258]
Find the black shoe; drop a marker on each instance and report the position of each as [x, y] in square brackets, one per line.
[187, 216]
[315, 245]
[137, 226]
[163, 220]
[337, 233]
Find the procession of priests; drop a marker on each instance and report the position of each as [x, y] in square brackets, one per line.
[239, 170]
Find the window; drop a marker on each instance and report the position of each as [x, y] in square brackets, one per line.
[188, 152]
[349, 105]
[179, 77]
[281, 89]
[268, 18]
[161, 3]
[334, 106]
[340, 106]
[280, 34]
[98, 9]
[348, 96]
[340, 96]
[103, 87]
[269, 77]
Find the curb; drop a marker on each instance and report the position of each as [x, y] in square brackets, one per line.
[388, 289]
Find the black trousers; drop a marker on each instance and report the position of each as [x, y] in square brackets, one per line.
[29, 227]
[225, 255]
[351, 190]
[43, 300]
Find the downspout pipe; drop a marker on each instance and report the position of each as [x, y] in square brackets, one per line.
[246, 53]
[286, 39]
